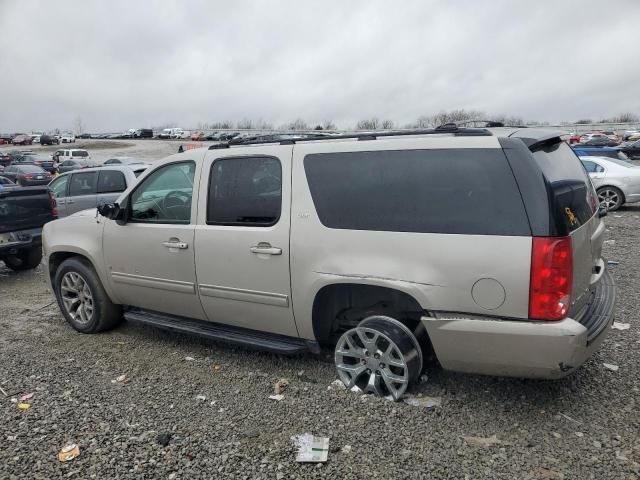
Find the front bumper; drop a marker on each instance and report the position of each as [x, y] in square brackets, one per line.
[523, 348]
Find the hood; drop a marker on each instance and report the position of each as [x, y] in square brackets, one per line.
[91, 212]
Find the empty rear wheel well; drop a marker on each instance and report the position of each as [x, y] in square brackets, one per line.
[340, 307]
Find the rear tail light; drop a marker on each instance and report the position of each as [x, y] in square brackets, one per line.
[28, 177]
[54, 204]
[551, 278]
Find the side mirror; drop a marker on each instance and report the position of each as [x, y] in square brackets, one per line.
[113, 211]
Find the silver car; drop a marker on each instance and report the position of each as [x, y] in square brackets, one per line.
[485, 248]
[616, 181]
[87, 188]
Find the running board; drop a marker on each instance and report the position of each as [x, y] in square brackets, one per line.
[215, 331]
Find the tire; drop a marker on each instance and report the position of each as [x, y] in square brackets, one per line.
[610, 198]
[24, 259]
[380, 356]
[82, 299]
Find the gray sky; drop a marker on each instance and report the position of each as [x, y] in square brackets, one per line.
[124, 64]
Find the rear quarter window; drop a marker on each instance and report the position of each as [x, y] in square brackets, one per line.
[573, 196]
[456, 191]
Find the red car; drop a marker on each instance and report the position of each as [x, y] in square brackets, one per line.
[22, 139]
[197, 137]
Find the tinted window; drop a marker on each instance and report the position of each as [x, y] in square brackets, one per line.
[592, 167]
[111, 181]
[79, 154]
[59, 186]
[573, 199]
[68, 163]
[245, 191]
[165, 195]
[112, 161]
[466, 191]
[83, 184]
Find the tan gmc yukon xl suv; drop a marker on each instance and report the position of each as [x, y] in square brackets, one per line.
[484, 246]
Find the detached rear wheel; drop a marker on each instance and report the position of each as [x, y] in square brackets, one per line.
[82, 299]
[379, 356]
[610, 198]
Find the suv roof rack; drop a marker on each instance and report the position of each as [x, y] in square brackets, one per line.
[447, 128]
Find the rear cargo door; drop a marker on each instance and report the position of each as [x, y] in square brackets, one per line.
[575, 213]
[24, 209]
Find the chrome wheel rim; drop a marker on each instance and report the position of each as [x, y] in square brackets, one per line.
[608, 198]
[76, 297]
[370, 360]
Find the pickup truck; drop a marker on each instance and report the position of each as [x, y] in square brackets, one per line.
[23, 213]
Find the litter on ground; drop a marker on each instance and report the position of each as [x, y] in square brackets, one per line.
[424, 402]
[482, 442]
[311, 448]
[337, 384]
[27, 396]
[280, 386]
[611, 366]
[24, 406]
[621, 326]
[277, 398]
[69, 452]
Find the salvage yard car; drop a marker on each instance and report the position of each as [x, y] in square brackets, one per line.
[27, 174]
[485, 246]
[617, 182]
[23, 212]
[90, 187]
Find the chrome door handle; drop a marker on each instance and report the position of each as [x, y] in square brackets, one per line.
[175, 244]
[266, 249]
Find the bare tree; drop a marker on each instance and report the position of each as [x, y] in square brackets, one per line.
[225, 125]
[583, 120]
[372, 123]
[298, 124]
[329, 125]
[626, 117]
[245, 124]
[388, 124]
[78, 125]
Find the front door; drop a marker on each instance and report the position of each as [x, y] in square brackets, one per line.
[150, 259]
[242, 240]
[82, 191]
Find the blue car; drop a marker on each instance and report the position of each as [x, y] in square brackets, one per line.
[610, 152]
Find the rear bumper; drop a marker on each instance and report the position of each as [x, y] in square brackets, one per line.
[11, 242]
[523, 348]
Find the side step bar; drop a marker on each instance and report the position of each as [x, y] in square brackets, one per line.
[215, 331]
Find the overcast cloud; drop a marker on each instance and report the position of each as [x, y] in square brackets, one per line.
[124, 64]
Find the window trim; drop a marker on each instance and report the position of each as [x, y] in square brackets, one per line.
[242, 224]
[127, 199]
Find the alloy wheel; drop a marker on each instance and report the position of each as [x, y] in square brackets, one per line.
[608, 198]
[77, 297]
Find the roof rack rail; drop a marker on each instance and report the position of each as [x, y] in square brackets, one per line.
[447, 128]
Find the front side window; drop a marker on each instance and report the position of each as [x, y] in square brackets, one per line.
[59, 186]
[245, 191]
[83, 184]
[164, 196]
[111, 181]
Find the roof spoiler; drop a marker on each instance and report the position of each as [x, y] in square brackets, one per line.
[536, 137]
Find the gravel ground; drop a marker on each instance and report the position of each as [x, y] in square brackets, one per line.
[585, 426]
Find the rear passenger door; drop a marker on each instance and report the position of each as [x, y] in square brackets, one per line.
[82, 191]
[242, 240]
[111, 183]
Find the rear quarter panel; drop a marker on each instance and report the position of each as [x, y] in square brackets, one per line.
[438, 270]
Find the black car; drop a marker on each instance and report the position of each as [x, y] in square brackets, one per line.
[69, 165]
[632, 150]
[48, 140]
[601, 142]
[143, 133]
[27, 175]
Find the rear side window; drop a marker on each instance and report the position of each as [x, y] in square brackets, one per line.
[459, 191]
[79, 154]
[245, 191]
[573, 197]
[83, 184]
[111, 181]
[592, 167]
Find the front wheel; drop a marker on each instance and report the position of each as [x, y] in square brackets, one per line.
[82, 299]
[380, 356]
[24, 259]
[610, 198]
